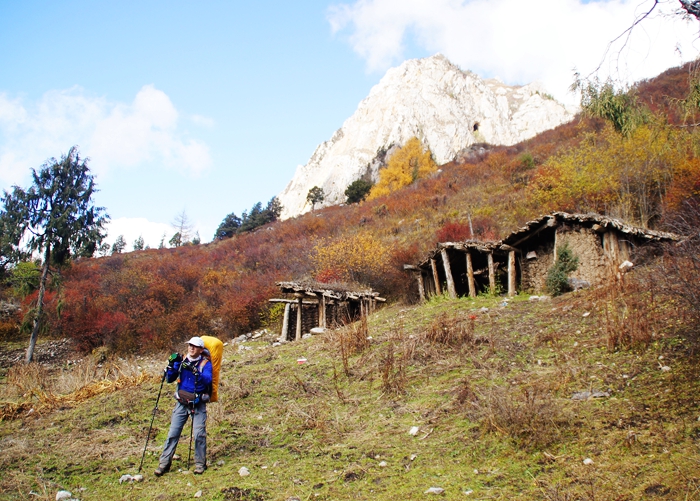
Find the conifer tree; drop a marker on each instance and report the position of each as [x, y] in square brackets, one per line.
[56, 217]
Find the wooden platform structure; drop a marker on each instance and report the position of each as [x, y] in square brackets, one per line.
[522, 259]
[320, 305]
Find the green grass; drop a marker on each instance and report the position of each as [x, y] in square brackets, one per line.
[495, 416]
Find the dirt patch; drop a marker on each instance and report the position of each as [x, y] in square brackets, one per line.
[238, 494]
[49, 353]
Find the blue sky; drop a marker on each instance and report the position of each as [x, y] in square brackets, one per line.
[209, 106]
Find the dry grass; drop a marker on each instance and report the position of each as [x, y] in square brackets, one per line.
[450, 329]
[32, 388]
[631, 312]
[529, 414]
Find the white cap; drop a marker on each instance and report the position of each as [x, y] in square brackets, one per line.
[196, 341]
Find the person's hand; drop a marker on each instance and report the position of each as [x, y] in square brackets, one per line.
[172, 359]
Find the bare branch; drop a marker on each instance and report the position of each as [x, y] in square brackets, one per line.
[627, 33]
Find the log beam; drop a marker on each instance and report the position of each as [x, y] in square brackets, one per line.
[470, 276]
[299, 308]
[492, 274]
[322, 312]
[436, 279]
[285, 322]
[448, 273]
[511, 273]
[421, 286]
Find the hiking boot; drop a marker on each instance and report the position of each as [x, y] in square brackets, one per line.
[199, 469]
[161, 469]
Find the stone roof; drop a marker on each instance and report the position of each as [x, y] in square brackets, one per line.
[591, 220]
[334, 291]
[596, 221]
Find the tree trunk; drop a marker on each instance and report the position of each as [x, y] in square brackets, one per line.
[39, 306]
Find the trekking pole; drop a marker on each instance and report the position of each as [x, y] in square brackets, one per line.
[189, 451]
[152, 418]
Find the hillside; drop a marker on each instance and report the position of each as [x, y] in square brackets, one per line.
[522, 399]
[149, 300]
[591, 395]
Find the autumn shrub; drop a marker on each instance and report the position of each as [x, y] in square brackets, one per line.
[392, 366]
[9, 329]
[622, 176]
[450, 330]
[358, 258]
[677, 275]
[529, 414]
[631, 312]
[352, 339]
[453, 231]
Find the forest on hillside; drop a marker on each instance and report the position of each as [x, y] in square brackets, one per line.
[633, 155]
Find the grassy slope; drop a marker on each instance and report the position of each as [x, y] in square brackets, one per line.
[495, 417]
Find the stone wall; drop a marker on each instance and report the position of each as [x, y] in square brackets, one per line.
[586, 244]
[534, 270]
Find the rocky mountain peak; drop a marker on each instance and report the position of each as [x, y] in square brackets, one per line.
[446, 108]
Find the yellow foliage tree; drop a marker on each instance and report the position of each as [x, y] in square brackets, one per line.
[408, 163]
[357, 258]
[623, 176]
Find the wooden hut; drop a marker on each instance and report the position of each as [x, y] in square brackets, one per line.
[522, 259]
[320, 305]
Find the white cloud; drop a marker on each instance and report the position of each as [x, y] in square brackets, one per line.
[521, 42]
[114, 135]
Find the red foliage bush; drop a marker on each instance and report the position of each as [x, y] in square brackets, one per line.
[453, 231]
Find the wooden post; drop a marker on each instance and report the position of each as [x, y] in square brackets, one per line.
[421, 286]
[470, 276]
[285, 321]
[492, 274]
[299, 308]
[322, 311]
[448, 273]
[438, 289]
[511, 273]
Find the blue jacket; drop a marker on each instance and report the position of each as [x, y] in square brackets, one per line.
[188, 381]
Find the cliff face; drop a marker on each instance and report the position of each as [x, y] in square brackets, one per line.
[446, 108]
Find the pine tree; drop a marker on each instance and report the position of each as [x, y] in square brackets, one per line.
[56, 217]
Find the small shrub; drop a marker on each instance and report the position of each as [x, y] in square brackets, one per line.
[352, 340]
[393, 370]
[529, 415]
[357, 191]
[450, 330]
[557, 281]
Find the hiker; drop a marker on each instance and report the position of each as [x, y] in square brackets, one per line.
[194, 376]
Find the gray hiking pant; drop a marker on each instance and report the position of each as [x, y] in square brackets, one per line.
[177, 423]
